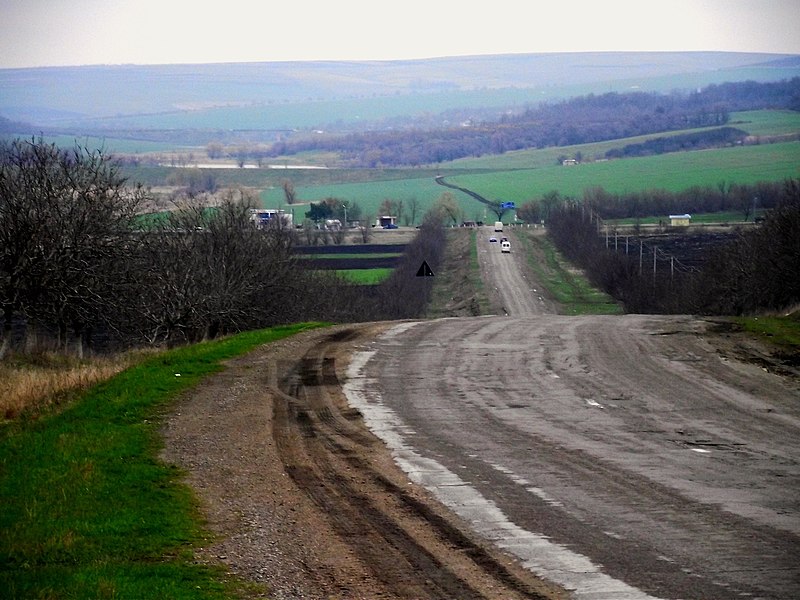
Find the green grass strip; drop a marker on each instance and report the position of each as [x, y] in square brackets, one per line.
[572, 291]
[783, 331]
[366, 276]
[475, 274]
[88, 508]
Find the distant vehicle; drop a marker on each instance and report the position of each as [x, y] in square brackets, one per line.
[390, 226]
[493, 239]
[505, 246]
[503, 239]
[498, 226]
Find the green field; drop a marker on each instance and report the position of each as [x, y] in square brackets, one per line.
[767, 122]
[525, 175]
[365, 276]
[671, 172]
[528, 175]
[757, 123]
[369, 195]
[112, 144]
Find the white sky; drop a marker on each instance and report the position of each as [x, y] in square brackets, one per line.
[77, 32]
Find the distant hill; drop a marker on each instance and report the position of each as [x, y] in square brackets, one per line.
[342, 95]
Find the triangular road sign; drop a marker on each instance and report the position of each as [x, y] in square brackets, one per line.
[424, 270]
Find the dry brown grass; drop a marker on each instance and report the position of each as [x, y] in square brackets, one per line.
[36, 383]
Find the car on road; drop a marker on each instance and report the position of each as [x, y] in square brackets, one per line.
[505, 246]
[390, 226]
[493, 240]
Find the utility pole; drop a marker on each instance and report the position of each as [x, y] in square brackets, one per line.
[640, 257]
[671, 269]
[655, 254]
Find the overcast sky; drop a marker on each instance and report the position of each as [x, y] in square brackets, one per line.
[79, 32]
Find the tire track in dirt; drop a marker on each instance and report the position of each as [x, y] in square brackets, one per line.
[413, 550]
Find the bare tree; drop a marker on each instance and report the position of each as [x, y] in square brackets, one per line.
[207, 271]
[447, 208]
[65, 224]
[388, 207]
[364, 229]
[288, 192]
[529, 212]
[214, 150]
[413, 209]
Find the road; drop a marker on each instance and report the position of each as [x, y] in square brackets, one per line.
[621, 457]
[506, 278]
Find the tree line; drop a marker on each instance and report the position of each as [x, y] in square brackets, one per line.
[698, 140]
[580, 120]
[724, 197]
[80, 263]
[758, 271]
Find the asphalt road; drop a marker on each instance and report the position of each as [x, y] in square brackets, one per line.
[619, 456]
[505, 277]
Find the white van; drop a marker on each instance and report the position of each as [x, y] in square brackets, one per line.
[498, 226]
[505, 246]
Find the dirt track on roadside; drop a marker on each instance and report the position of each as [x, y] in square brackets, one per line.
[304, 498]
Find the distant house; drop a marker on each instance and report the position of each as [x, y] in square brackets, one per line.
[680, 220]
[270, 217]
[569, 162]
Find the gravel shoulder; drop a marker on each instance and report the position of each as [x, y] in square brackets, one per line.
[302, 498]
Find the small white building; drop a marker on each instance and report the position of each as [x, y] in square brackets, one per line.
[680, 220]
[386, 221]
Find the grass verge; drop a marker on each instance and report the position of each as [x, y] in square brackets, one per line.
[458, 287]
[475, 274]
[89, 510]
[782, 331]
[365, 276]
[574, 294]
[35, 383]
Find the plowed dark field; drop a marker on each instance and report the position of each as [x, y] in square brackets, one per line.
[351, 256]
[690, 249]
